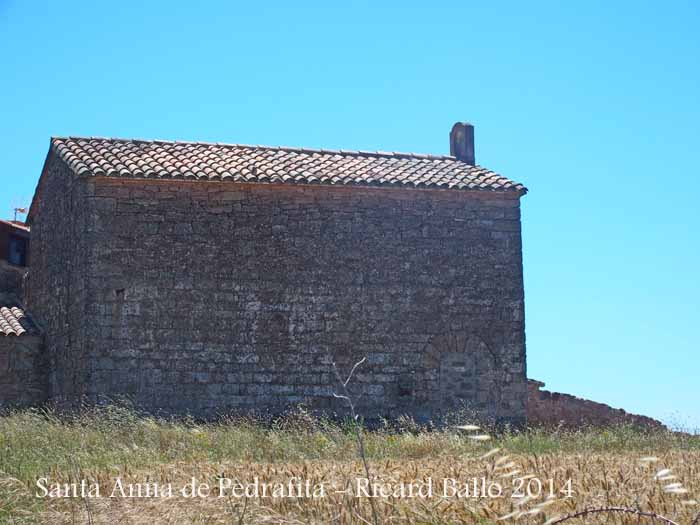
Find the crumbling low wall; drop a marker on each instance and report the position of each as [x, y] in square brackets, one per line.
[23, 380]
[555, 409]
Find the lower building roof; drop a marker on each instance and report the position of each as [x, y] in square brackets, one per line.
[14, 321]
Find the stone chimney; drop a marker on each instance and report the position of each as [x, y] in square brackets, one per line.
[462, 142]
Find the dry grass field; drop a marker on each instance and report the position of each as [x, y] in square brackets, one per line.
[656, 473]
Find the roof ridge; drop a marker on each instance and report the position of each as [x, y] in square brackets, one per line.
[291, 149]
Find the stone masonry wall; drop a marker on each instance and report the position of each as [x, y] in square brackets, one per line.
[12, 279]
[209, 297]
[56, 287]
[22, 371]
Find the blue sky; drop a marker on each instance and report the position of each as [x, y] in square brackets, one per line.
[593, 105]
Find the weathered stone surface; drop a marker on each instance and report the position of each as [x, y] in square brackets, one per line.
[12, 279]
[57, 285]
[555, 409]
[22, 371]
[208, 297]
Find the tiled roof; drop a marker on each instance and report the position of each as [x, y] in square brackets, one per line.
[13, 321]
[15, 224]
[262, 164]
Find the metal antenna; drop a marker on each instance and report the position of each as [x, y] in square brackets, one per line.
[19, 210]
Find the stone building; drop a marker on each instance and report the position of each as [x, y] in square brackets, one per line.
[206, 278]
[14, 243]
[22, 357]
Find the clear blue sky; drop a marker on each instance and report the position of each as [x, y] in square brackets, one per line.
[594, 106]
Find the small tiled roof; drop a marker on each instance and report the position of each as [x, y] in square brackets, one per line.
[13, 321]
[16, 225]
[262, 164]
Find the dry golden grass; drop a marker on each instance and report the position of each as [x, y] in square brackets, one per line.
[603, 465]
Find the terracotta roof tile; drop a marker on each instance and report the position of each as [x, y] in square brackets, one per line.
[262, 164]
[13, 321]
